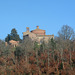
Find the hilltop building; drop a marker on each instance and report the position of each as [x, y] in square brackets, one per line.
[37, 35]
[13, 43]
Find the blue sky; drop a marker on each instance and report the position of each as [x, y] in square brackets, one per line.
[50, 15]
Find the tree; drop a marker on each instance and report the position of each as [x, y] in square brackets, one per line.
[27, 45]
[8, 38]
[2, 47]
[4, 50]
[66, 32]
[53, 44]
[19, 52]
[13, 36]
[36, 46]
[65, 37]
[73, 37]
[43, 46]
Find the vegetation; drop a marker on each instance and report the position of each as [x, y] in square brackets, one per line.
[13, 36]
[57, 57]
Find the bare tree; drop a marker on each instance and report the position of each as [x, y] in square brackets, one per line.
[27, 45]
[66, 32]
[65, 37]
[4, 50]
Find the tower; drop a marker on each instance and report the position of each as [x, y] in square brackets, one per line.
[27, 29]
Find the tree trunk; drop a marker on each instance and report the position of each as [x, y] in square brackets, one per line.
[48, 62]
[37, 56]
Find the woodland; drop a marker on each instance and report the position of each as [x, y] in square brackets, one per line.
[57, 57]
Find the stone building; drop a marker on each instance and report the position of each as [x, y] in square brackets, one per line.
[37, 35]
[13, 43]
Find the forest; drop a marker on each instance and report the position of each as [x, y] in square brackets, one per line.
[57, 57]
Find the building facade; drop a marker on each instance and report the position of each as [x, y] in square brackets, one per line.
[37, 35]
[14, 43]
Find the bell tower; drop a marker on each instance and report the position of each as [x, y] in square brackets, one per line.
[37, 27]
[27, 29]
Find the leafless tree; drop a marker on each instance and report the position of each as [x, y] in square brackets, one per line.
[27, 46]
[65, 37]
[66, 32]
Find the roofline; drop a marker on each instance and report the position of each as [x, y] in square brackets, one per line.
[36, 30]
[45, 35]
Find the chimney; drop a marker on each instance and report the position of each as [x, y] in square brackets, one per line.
[37, 27]
[27, 29]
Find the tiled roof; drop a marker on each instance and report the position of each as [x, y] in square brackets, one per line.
[38, 30]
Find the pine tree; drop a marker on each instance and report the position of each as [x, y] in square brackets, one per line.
[13, 36]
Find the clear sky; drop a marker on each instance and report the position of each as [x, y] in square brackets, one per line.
[50, 15]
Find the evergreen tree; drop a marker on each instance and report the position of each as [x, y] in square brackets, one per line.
[8, 38]
[53, 44]
[13, 36]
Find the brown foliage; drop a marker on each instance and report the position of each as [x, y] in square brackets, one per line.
[37, 65]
